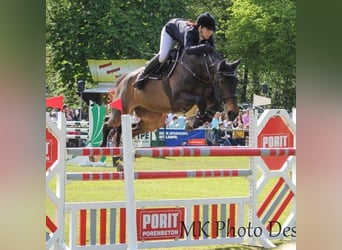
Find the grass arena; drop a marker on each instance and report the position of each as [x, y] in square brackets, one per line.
[98, 224]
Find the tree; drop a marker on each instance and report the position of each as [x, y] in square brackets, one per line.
[263, 34]
[78, 30]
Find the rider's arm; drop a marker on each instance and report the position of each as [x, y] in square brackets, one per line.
[191, 45]
[199, 49]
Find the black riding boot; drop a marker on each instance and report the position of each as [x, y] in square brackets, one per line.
[149, 68]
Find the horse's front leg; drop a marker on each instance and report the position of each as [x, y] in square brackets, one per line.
[187, 101]
[201, 104]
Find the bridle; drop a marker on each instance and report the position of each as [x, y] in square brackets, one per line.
[226, 74]
[218, 79]
[213, 79]
[187, 68]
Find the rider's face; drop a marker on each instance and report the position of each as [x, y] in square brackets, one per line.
[205, 33]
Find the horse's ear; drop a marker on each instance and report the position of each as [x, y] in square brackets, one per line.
[221, 64]
[235, 63]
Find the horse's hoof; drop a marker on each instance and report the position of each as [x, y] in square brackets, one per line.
[120, 167]
[189, 128]
[94, 158]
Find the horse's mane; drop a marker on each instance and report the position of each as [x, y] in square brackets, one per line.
[217, 54]
[120, 78]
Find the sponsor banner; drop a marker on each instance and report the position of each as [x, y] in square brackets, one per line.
[180, 137]
[160, 223]
[142, 140]
[109, 70]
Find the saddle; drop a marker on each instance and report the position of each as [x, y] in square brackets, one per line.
[167, 68]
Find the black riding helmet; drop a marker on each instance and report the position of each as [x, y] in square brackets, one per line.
[206, 20]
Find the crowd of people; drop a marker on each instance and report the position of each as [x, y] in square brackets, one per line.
[175, 121]
[70, 114]
[219, 131]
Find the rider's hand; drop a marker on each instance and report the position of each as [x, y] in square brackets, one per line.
[208, 49]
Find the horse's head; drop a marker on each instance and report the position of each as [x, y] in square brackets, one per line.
[225, 84]
[222, 75]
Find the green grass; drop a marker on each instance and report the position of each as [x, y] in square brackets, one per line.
[78, 191]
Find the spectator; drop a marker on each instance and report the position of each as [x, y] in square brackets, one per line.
[238, 119]
[174, 123]
[77, 114]
[245, 118]
[239, 135]
[220, 136]
[68, 113]
[224, 118]
[216, 120]
[168, 119]
[209, 133]
[181, 121]
[229, 132]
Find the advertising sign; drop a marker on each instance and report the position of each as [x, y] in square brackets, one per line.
[275, 134]
[180, 137]
[159, 223]
[142, 140]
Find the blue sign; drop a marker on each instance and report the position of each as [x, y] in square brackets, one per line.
[180, 137]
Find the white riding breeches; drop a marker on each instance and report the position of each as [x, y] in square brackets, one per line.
[166, 43]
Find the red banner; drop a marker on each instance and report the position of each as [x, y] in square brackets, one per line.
[55, 102]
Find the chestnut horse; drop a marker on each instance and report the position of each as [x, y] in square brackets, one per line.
[207, 81]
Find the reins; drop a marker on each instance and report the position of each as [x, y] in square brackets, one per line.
[187, 68]
[211, 79]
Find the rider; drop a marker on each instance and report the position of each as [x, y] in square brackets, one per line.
[195, 37]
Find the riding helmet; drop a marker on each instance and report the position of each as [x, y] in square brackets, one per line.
[206, 20]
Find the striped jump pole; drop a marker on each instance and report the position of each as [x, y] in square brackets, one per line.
[77, 136]
[104, 176]
[77, 123]
[186, 151]
[84, 130]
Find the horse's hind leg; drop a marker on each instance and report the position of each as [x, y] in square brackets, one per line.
[105, 132]
[115, 119]
[115, 136]
[113, 122]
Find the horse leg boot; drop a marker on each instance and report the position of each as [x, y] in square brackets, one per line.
[149, 68]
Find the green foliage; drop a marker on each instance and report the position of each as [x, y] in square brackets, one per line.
[77, 30]
[262, 33]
